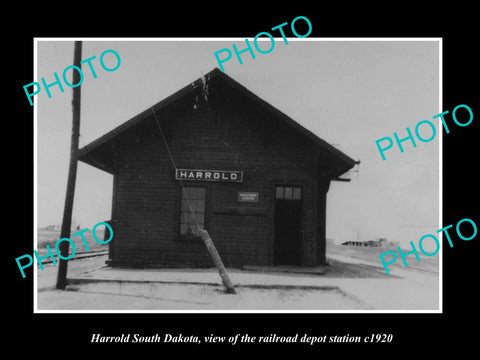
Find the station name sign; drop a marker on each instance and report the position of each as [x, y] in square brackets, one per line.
[209, 175]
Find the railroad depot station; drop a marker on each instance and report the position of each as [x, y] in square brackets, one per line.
[254, 178]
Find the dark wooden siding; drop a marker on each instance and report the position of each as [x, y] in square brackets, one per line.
[229, 132]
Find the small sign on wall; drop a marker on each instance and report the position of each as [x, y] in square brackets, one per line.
[247, 196]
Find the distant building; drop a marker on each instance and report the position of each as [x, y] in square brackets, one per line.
[372, 243]
[368, 243]
[59, 227]
[353, 243]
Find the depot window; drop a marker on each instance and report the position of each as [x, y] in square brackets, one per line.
[192, 213]
[288, 192]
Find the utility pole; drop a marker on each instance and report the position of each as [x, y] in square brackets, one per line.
[72, 170]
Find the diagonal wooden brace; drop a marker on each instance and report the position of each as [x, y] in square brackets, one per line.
[229, 289]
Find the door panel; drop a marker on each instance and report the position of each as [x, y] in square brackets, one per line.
[288, 232]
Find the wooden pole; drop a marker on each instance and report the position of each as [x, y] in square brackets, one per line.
[212, 250]
[72, 171]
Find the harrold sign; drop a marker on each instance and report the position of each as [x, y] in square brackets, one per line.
[209, 175]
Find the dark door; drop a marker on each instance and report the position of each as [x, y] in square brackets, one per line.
[288, 226]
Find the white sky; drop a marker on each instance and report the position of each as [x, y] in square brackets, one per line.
[349, 93]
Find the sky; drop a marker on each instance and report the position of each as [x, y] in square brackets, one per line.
[349, 93]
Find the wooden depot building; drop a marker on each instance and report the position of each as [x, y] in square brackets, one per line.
[255, 179]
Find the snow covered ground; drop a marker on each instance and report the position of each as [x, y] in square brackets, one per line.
[354, 281]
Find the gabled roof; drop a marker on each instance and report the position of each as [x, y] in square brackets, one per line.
[85, 153]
